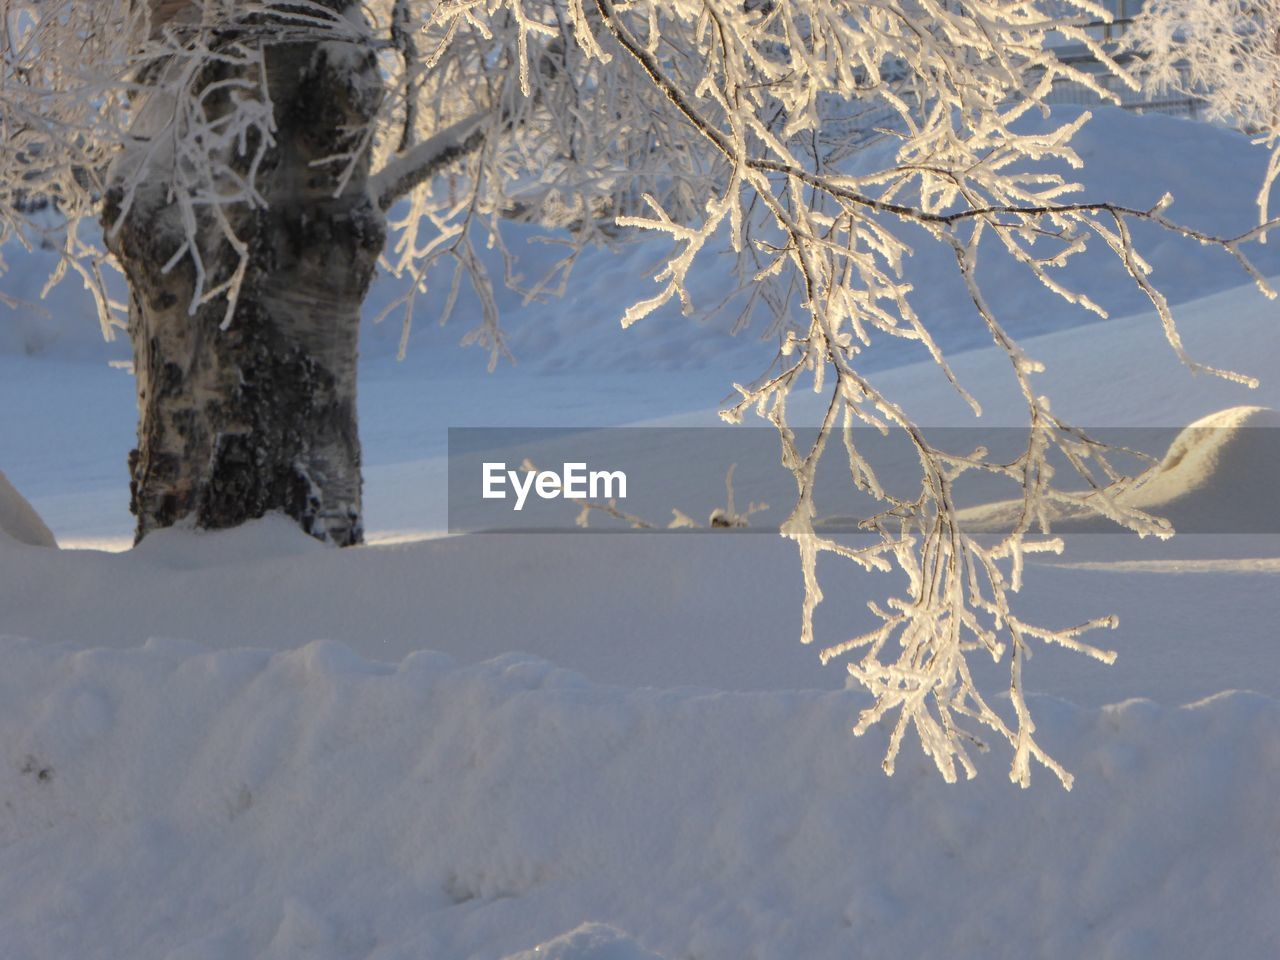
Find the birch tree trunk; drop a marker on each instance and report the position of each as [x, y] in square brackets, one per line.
[260, 416]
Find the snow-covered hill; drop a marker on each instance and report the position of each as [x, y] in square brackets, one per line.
[1130, 159]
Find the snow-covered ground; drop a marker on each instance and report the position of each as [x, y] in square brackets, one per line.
[178, 801]
[610, 747]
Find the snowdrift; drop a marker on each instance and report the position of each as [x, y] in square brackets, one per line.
[1221, 474]
[1223, 470]
[171, 801]
[19, 520]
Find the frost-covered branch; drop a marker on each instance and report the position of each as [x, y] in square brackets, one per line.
[963, 172]
[1225, 53]
[407, 170]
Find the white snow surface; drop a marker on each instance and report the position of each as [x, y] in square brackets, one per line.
[19, 520]
[173, 801]
[610, 747]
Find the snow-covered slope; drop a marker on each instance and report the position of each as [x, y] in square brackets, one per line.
[1212, 173]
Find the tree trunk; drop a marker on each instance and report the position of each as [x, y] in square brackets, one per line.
[260, 416]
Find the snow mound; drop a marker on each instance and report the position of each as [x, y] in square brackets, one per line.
[19, 519]
[184, 802]
[271, 537]
[1224, 468]
[591, 941]
[1219, 475]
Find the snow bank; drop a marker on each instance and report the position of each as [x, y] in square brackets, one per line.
[170, 801]
[19, 520]
[1220, 475]
[1223, 470]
